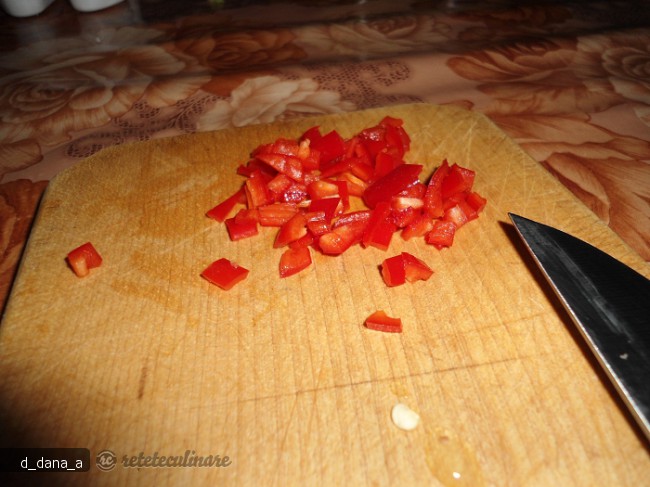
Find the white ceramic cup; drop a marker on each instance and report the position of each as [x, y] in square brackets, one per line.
[92, 5]
[24, 8]
[28, 8]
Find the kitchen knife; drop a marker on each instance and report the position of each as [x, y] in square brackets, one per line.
[608, 301]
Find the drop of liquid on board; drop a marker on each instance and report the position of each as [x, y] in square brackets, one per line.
[452, 461]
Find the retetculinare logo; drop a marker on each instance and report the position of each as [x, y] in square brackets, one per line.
[107, 460]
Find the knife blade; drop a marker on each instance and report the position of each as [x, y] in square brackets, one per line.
[609, 303]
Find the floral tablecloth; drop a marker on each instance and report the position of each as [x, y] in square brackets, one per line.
[569, 81]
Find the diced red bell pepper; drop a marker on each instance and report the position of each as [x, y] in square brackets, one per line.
[380, 321]
[312, 134]
[380, 229]
[393, 271]
[294, 260]
[330, 146]
[344, 194]
[306, 240]
[305, 186]
[339, 239]
[396, 136]
[402, 202]
[283, 146]
[292, 230]
[467, 209]
[456, 215]
[362, 216]
[385, 163]
[257, 193]
[442, 234]
[476, 201]
[403, 217]
[415, 269]
[296, 193]
[330, 206]
[336, 166]
[278, 185]
[256, 165]
[310, 162]
[223, 209]
[355, 185]
[362, 169]
[404, 267]
[392, 183]
[416, 191]
[245, 215]
[276, 214]
[418, 227]
[224, 273]
[317, 223]
[433, 195]
[320, 189]
[289, 165]
[84, 258]
[242, 225]
[458, 180]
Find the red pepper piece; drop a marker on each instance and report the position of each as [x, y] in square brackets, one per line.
[312, 135]
[224, 273]
[456, 215]
[419, 227]
[84, 258]
[415, 269]
[257, 193]
[404, 267]
[385, 163]
[255, 165]
[403, 217]
[396, 136]
[330, 206]
[242, 225]
[392, 183]
[276, 214]
[336, 166]
[415, 191]
[321, 189]
[380, 229]
[433, 194]
[467, 209]
[245, 215]
[278, 185]
[373, 140]
[294, 260]
[296, 193]
[289, 165]
[317, 223]
[223, 209]
[306, 240]
[380, 321]
[294, 229]
[476, 201]
[330, 146]
[344, 194]
[442, 234]
[393, 271]
[362, 170]
[342, 237]
[362, 216]
[458, 180]
[354, 186]
[287, 147]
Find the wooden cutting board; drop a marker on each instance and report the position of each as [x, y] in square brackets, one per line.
[145, 356]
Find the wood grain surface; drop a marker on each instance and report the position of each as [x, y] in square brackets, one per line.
[279, 374]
